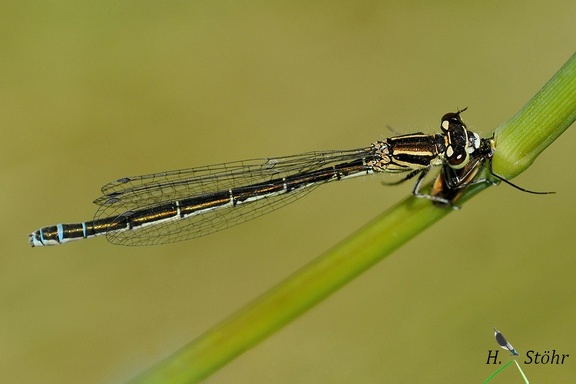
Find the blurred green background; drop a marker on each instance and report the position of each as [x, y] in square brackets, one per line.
[93, 91]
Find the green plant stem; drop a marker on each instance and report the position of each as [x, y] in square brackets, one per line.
[497, 372]
[298, 293]
[543, 119]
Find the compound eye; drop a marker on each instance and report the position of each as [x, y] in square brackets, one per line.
[449, 120]
[457, 157]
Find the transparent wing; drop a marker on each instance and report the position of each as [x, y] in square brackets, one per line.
[148, 191]
[140, 191]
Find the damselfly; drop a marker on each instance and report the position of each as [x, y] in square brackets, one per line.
[179, 205]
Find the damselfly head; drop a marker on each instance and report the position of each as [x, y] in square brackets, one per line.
[452, 118]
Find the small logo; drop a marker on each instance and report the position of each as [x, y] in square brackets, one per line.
[502, 342]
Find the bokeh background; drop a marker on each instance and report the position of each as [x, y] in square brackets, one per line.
[93, 91]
